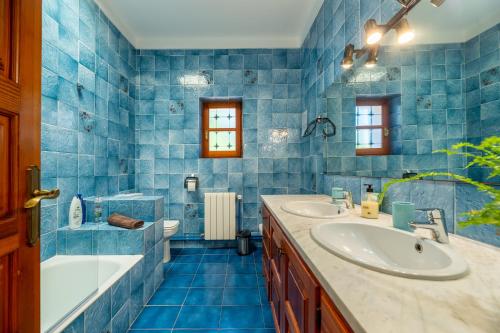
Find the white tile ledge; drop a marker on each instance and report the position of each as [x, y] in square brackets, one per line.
[374, 302]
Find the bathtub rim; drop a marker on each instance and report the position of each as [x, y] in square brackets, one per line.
[126, 264]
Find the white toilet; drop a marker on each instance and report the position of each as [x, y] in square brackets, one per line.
[170, 228]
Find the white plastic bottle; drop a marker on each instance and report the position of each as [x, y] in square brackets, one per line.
[75, 213]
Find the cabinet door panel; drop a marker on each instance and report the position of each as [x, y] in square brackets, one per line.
[276, 301]
[301, 296]
[331, 320]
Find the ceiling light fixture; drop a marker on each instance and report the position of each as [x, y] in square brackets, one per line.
[405, 33]
[374, 32]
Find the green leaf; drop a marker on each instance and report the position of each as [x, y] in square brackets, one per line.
[485, 155]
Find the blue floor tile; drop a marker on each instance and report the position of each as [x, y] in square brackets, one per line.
[208, 291]
[157, 317]
[204, 296]
[218, 251]
[241, 281]
[149, 331]
[268, 316]
[188, 259]
[209, 280]
[215, 258]
[198, 317]
[208, 268]
[200, 250]
[182, 330]
[180, 268]
[241, 260]
[263, 295]
[234, 268]
[175, 251]
[242, 317]
[177, 281]
[251, 330]
[241, 296]
[169, 296]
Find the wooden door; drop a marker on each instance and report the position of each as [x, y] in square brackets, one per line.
[20, 86]
[301, 294]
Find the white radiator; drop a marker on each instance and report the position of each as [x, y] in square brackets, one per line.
[220, 216]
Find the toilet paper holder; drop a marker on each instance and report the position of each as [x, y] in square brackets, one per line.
[191, 179]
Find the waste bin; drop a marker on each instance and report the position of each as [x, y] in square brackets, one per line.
[243, 238]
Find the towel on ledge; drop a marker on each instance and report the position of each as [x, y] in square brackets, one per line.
[124, 221]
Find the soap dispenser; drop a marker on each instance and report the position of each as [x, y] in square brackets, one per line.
[369, 203]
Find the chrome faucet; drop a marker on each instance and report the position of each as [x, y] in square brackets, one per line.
[435, 223]
[348, 201]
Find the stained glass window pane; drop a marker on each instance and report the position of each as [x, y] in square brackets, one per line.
[369, 138]
[222, 141]
[376, 115]
[222, 118]
[369, 115]
[363, 138]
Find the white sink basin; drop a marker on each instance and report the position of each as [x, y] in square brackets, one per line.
[314, 209]
[390, 251]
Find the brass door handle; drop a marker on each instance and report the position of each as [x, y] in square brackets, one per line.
[39, 195]
[32, 205]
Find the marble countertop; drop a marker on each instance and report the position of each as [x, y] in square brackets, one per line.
[374, 302]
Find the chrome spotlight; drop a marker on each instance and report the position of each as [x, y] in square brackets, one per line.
[437, 3]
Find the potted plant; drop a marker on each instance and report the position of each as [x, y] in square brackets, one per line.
[486, 154]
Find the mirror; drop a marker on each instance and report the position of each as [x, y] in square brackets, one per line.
[441, 88]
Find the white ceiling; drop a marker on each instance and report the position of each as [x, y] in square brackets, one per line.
[177, 24]
[455, 21]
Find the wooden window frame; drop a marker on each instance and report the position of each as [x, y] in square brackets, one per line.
[205, 151]
[386, 141]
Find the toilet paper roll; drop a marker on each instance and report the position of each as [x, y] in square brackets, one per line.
[191, 185]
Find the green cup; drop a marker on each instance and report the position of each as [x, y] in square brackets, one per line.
[337, 193]
[402, 214]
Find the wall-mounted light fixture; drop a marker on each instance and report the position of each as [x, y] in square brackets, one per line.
[374, 33]
[372, 59]
[405, 33]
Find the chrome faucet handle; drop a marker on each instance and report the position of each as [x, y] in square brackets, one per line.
[435, 222]
[349, 202]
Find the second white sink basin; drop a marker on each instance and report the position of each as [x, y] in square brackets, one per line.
[390, 251]
[314, 209]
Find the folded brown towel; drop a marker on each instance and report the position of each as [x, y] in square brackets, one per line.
[122, 221]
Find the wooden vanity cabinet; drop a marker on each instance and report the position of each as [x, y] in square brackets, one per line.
[298, 303]
[300, 294]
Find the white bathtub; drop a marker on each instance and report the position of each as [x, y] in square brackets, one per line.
[70, 284]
